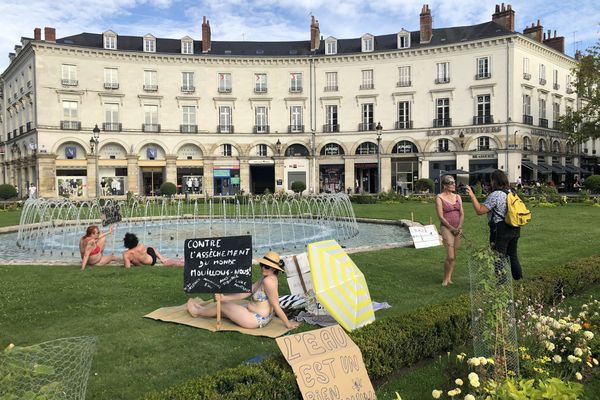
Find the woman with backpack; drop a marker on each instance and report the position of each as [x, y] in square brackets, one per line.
[503, 237]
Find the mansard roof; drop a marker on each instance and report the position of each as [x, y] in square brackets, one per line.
[441, 36]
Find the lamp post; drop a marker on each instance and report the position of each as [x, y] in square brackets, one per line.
[94, 141]
[378, 128]
[314, 189]
[33, 147]
[278, 147]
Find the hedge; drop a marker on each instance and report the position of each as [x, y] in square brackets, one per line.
[387, 344]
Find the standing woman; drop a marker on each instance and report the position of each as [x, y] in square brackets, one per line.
[91, 247]
[503, 237]
[451, 214]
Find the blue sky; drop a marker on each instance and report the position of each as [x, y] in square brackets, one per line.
[577, 20]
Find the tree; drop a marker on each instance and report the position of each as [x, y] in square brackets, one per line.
[584, 123]
[298, 186]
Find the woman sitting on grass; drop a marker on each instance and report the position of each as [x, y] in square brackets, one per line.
[264, 303]
[91, 247]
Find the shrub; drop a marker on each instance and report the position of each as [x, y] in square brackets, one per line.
[424, 185]
[363, 199]
[298, 186]
[168, 189]
[592, 183]
[7, 191]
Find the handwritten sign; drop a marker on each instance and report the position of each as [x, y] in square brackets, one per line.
[110, 214]
[218, 265]
[327, 364]
[425, 236]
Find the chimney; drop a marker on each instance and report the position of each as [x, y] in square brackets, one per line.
[557, 43]
[505, 17]
[534, 32]
[426, 24]
[205, 35]
[37, 34]
[315, 34]
[49, 34]
[11, 56]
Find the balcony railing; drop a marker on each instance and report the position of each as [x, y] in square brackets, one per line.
[528, 119]
[260, 89]
[367, 86]
[483, 120]
[151, 88]
[111, 126]
[526, 76]
[150, 127]
[15, 133]
[556, 125]
[28, 125]
[69, 82]
[296, 89]
[224, 128]
[295, 128]
[543, 123]
[445, 79]
[542, 81]
[483, 75]
[556, 86]
[442, 122]
[21, 129]
[331, 128]
[70, 125]
[366, 126]
[569, 90]
[188, 128]
[188, 89]
[224, 90]
[404, 83]
[330, 88]
[111, 85]
[261, 129]
[483, 148]
[404, 124]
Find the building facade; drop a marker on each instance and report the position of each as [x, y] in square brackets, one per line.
[367, 114]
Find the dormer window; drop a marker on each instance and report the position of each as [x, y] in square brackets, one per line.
[149, 44]
[367, 43]
[403, 39]
[330, 45]
[187, 45]
[110, 40]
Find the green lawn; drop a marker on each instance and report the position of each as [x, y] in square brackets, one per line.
[135, 355]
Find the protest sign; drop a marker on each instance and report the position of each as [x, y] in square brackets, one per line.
[327, 364]
[110, 214]
[218, 265]
[425, 236]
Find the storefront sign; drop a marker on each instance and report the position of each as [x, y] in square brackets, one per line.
[465, 131]
[484, 155]
[555, 134]
[235, 180]
[279, 182]
[261, 162]
[221, 173]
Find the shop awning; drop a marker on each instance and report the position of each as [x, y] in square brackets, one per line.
[558, 169]
[530, 165]
[571, 169]
[544, 168]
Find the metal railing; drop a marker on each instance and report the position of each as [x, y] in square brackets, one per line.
[151, 88]
[483, 119]
[69, 82]
[297, 89]
[330, 88]
[528, 119]
[188, 89]
[404, 83]
[224, 128]
[260, 89]
[261, 129]
[370, 126]
[225, 90]
[543, 123]
[404, 124]
[150, 127]
[331, 128]
[111, 85]
[70, 125]
[526, 76]
[295, 128]
[111, 126]
[366, 86]
[483, 75]
[442, 122]
[445, 79]
[542, 81]
[188, 128]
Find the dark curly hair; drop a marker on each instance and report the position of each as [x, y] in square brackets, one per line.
[130, 240]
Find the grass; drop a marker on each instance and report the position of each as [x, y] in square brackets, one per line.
[40, 303]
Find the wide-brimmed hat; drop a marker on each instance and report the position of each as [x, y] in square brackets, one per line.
[272, 260]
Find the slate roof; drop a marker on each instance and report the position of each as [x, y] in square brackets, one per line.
[442, 36]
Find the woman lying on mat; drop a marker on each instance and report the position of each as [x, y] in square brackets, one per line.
[263, 304]
[138, 254]
[91, 246]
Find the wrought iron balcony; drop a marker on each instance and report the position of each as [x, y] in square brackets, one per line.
[404, 83]
[188, 89]
[543, 123]
[111, 126]
[330, 88]
[528, 119]
[569, 90]
[111, 85]
[70, 125]
[542, 81]
[28, 126]
[526, 76]
[224, 128]
[483, 75]
[367, 86]
[188, 128]
[331, 128]
[69, 82]
[297, 89]
[445, 79]
[21, 129]
[261, 129]
[366, 126]
[404, 124]
[151, 88]
[483, 120]
[295, 128]
[225, 90]
[442, 122]
[556, 86]
[556, 125]
[260, 89]
[150, 127]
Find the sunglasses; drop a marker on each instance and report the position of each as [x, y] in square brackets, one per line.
[265, 266]
[450, 183]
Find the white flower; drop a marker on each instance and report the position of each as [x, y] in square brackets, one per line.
[595, 361]
[454, 392]
[474, 383]
[473, 361]
[578, 352]
[460, 356]
[469, 397]
[572, 359]
[459, 382]
[482, 360]
[550, 346]
[588, 335]
[568, 339]
[436, 394]
[575, 327]
[473, 376]
[578, 376]
[557, 359]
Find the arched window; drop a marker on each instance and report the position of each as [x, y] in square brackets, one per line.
[526, 143]
[556, 146]
[570, 147]
[332, 149]
[542, 145]
[404, 146]
[367, 148]
[296, 150]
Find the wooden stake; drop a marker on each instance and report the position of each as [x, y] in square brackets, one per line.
[430, 222]
[219, 315]
[412, 216]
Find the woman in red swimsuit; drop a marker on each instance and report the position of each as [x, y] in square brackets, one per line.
[91, 246]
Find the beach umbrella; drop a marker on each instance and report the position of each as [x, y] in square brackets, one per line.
[339, 285]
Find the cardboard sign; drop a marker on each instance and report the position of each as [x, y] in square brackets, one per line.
[327, 364]
[110, 214]
[297, 272]
[218, 265]
[425, 236]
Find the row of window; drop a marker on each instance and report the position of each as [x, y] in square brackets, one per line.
[542, 112]
[542, 76]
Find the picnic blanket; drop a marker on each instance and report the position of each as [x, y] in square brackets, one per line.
[179, 315]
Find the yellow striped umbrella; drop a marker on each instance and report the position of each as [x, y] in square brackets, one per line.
[339, 285]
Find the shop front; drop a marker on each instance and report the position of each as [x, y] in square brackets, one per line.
[366, 177]
[331, 178]
[113, 180]
[226, 180]
[189, 180]
[71, 183]
[262, 176]
[405, 171]
[152, 179]
[486, 165]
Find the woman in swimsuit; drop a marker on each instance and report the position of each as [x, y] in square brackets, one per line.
[450, 212]
[138, 254]
[91, 246]
[263, 304]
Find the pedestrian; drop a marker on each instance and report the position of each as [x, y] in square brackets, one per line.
[503, 237]
[32, 191]
[448, 205]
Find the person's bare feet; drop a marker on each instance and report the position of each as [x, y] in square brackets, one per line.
[193, 308]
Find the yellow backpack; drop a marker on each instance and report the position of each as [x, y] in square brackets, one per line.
[517, 214]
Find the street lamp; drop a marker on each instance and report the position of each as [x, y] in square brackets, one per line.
[94, 141]
[33, 147]
[378, 128]
[313, 145]
[278, 147]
